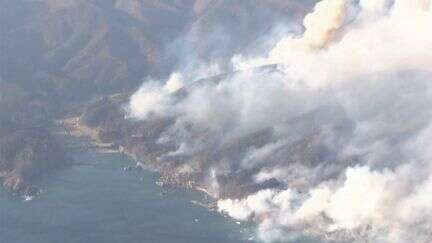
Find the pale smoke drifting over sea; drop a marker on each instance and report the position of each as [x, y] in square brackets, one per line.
[357, 86]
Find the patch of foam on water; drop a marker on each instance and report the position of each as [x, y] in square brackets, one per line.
[28, 198]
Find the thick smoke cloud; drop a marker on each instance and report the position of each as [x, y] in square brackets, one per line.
[343, 122]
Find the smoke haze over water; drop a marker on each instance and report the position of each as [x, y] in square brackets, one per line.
[343, 122]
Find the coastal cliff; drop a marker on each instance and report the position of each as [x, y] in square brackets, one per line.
[25, 156]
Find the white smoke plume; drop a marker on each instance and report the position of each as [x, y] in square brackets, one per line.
[348, 112]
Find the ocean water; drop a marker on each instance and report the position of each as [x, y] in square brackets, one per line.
[97, 202]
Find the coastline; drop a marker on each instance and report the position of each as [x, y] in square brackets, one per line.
[75, 201]
[74, 127]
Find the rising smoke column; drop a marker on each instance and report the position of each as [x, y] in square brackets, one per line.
[356, 88]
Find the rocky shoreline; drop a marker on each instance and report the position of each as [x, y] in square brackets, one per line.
[74, 126]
